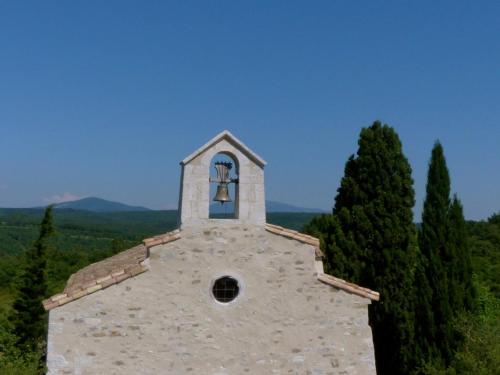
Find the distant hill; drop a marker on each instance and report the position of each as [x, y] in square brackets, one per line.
[271, 206]
[98, 205]
[94, 204]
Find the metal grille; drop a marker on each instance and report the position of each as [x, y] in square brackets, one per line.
[225, 289]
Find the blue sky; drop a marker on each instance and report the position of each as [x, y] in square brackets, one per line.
[104, 98]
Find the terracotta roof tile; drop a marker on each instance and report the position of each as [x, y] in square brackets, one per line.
[108, 272]
[293, 234]
[349, 287]
[162, 239]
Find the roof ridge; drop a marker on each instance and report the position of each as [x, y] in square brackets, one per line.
[232, 139]
[161, 238]
[109, 271]
[293, 234]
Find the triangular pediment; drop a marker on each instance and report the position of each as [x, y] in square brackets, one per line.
[226, 135]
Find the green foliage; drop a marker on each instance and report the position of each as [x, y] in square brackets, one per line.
[433, 244]
[424, 330]
[484, 239]
[494, 219]
[371, 240]
[327, 229]
[480, 352]
[459, 268]
[12, 360]
[28, 315]
[8, 270]
[446, 289]
[82, 229]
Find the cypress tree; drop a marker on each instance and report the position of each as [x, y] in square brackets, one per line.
[462, 292]
[373, 237]
[424, 329]
[325, 228]
[437, 256]
[28, 317]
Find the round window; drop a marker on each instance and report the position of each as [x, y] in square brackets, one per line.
[225, 289]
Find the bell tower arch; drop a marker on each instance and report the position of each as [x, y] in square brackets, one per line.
[249, 196]
[224, 186]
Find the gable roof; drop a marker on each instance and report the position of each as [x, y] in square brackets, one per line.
[226, 134]
[132, 262]
[109, 271]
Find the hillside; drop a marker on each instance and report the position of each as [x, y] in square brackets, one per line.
[95, 230]
[83, 229]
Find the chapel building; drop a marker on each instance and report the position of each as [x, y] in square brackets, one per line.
[225, 293]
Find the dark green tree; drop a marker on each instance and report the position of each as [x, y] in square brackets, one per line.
[424, 329]
[327, 229]
[371, 240]
[461, 288]
[437, 254]
[495, 218]
[117, 245]
[28, 317]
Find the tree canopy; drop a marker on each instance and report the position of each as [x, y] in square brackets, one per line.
[28, 315]
[370, 239]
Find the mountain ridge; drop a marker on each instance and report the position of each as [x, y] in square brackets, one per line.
[95, 204]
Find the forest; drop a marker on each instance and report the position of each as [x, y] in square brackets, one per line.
[439, 279]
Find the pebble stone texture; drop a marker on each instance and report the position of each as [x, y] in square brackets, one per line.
[165, 321]
[194, 197]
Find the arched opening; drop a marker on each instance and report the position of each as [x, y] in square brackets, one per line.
[224, 197]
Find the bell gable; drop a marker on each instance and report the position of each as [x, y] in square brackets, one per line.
[248, 180]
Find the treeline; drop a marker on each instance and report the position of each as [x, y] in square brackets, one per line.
[90, 231]
[19, 227]
[433, 317]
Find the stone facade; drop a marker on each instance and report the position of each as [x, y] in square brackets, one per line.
[165, 321]
[151, 309]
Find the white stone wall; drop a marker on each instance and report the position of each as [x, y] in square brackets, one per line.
[194, 196]
[165, 321]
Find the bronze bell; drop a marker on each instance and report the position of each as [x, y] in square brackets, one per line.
[223, 179]
[222, 194]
